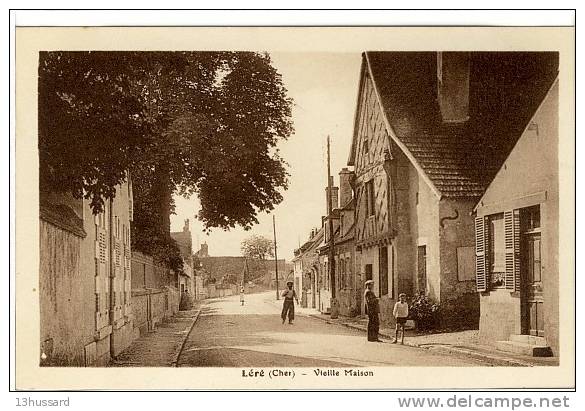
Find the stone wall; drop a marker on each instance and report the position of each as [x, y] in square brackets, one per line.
[146, 274]
[65, 297]
[152, 306]
[458, 296]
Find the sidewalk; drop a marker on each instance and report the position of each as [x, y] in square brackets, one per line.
[160, 348]
[460, 343]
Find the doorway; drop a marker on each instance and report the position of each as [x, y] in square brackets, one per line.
[532, 290]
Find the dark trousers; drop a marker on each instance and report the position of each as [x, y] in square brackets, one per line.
[373, 327]
[288, 307]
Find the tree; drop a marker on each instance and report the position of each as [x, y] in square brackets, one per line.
[204, 123]
[257, 247]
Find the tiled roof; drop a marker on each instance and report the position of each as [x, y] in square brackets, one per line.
[63, 217]
[461, 159]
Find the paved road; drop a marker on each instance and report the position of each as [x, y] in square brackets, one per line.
[230, 335]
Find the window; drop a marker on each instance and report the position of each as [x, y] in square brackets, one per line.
[530, 219]
[368, 272]
[348, 270]
[370, 198]
[497, 251]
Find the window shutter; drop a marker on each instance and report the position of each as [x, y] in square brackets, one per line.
[512, 241]
[130, 200]
[517, 250]
[481, 272]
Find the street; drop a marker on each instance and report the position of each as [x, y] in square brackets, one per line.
[230, 335]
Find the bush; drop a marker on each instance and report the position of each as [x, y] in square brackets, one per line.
[425, 312]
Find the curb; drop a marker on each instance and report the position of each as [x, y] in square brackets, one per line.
[178, 354]
[498, 360]
[494, 359]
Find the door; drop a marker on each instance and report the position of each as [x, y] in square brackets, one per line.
[533, 287]
[531, 272]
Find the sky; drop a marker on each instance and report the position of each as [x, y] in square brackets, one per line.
[324, 88]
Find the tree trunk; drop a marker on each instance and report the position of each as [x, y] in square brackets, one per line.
[163, 194]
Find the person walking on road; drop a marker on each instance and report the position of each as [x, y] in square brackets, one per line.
[373, 311]
[288, 305]
[242, 294]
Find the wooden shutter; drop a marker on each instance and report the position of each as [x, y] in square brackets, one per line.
[481, 266]
[130, 199]
[118, 271]
[102, 311]
[127, 272]
[512, 241]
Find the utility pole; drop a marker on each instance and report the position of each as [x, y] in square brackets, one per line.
[334, 311]
[275, 255]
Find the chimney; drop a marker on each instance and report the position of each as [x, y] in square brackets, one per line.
[345, 190]
[453, 86]
[333, 197]
[204, 251]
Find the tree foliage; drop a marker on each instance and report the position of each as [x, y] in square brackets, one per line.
[257, 247]
[204, 123]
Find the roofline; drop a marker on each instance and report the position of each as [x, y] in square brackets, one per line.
[555, 81]
[399, 143]
[351, 159]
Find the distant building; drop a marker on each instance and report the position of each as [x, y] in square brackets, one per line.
[347, 283]
[229, 268]
[186, 278]
[203, 252]
[306, 270]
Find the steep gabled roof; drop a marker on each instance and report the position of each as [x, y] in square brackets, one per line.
[459, 159]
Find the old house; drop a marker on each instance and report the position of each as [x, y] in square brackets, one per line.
[517, 236]
[85, 279]
[431, 130]
[186, 278]
[306, 269]
[348, 289]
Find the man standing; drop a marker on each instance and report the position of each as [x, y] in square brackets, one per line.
[288, 306]
[372, 310]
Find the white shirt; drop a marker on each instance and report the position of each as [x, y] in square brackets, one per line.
[400, 309]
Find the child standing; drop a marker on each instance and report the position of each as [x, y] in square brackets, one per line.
[401, 314]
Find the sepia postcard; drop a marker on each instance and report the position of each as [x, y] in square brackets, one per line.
[303, 208]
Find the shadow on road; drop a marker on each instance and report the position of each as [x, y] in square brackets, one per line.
[257, 340]
[237, 357]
